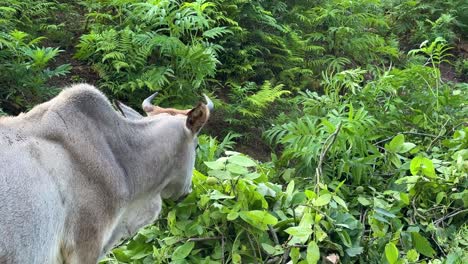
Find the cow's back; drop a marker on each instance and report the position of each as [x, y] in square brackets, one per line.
[32, 211]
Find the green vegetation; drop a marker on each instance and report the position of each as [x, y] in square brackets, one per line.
[360, 105]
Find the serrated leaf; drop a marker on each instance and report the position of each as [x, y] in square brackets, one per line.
[391, 253]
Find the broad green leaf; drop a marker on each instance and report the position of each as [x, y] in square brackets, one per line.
[290, 188]
[268, 248]
[391, 253]
[271, 250]
[215, 165]
[340, 201]
[298, 198]
[412, 255]
[422, 245]
[396, 143]
[232, 216]
[236, 169]
[220, 174]
[236, 258]
[364, 201]
[345, 238]
[216, 195]
[294, 255]
[242, 161]
[404, 198]
[354, 251]
[313, 253]
[440, 196]
[120, 254]
[424, 165]
[322, 200]
[258, 219]
[384, 212]
[310, 194]
[301, 233]
[407, 146]
[183, 251]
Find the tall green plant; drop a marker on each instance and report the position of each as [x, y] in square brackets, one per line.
[156, 45]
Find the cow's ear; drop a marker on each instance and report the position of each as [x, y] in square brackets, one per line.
[197, 118]
[128, 112]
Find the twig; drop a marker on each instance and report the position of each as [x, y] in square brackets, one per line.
[273, 234]
[195, 239]
[285, 255]
[222, 250]
[252, 246]
[438, 221]
[407, 133]
[318, 170]
[438, 136]
[437, 243]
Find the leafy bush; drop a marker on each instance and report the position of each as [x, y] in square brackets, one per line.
[156, 45]
[24, 69]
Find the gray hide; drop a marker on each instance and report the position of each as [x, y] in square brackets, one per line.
[76, 176]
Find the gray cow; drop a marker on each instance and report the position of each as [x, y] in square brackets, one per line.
[76, 176]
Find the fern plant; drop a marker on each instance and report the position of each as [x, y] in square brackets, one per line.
[157, 45]
[303, 139]
[25, 70]
[250, 102]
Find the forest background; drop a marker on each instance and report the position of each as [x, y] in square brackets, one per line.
[351, 117]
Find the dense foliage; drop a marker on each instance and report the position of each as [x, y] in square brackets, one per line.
[362, 104]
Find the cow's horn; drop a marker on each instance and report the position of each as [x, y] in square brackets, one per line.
[209, 103]
[147, 106]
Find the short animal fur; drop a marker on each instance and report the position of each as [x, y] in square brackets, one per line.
[76, 176]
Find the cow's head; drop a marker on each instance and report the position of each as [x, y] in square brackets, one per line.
[192, 121]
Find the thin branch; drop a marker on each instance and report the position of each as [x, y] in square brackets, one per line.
[222, 250]
[273, 234]
[438, 136]
[318, 170]
[198, 239]
[407, 133]
[285, 256]
[438, 221]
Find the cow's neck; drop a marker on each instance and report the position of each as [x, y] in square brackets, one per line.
[145, 157]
